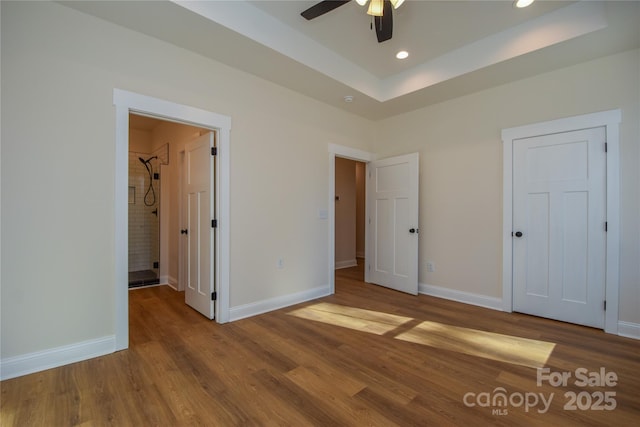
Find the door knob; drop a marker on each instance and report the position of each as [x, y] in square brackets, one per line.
[518, 234]
[412, 230]
[185, 231]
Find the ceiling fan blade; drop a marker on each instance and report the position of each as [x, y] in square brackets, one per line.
[322, 8]
[384, 23]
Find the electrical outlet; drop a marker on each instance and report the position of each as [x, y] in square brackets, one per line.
[431, 267]
[280, 263]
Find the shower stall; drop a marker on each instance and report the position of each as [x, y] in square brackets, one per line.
[144, 215]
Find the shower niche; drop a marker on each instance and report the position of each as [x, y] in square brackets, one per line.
[144, 215]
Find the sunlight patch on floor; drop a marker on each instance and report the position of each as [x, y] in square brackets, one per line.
[373, 322]
[488, 345]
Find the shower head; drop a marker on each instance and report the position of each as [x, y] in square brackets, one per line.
[144, 162]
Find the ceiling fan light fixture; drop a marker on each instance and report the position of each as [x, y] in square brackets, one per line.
[522, 3]
[376, 8]
[361, 2]
[395, 3]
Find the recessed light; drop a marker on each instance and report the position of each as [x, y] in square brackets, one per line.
[402, 54]
[348, 98]
[522, 3]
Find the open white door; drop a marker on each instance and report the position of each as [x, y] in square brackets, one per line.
[392, 226]
[199, 205]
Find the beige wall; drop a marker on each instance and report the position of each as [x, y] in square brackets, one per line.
[461, 168]
[140, 141]
[59, 69]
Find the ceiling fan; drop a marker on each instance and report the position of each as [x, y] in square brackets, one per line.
[381, 10]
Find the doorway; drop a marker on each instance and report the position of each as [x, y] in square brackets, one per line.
[350, 203]
[339, 152]
[128, 102]
[391, 218]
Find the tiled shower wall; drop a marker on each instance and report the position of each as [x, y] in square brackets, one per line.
[144, 236]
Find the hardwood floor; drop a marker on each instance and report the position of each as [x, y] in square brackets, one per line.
[364, 356]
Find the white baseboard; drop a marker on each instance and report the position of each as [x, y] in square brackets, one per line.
[173, 282]
[17, 366]
[629, 330]
[346, 264]
[460, 296]
[255, 308]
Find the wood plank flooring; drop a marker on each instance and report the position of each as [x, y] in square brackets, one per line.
[287, 369]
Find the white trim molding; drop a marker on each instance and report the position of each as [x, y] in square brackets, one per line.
[346, 264]
[611, 121]
[260, 307]
[12, 367]
[130, 102]
[173, 283]
[460, 296]
[629, 330]
[560, 25]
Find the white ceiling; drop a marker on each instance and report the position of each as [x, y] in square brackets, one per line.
[421, 27]
[456, 47]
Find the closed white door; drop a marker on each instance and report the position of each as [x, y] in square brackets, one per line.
[392, 239]
[198, 182]
[559, 215]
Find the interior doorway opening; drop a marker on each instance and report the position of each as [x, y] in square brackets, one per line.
[154, 213]
[391, 218]
[129, 102]
[350, 215]
[337, 153]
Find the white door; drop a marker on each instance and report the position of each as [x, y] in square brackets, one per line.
[200, 267]
[559, 214]
[392, 236]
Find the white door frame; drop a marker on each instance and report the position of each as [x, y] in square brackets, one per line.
[610, 120]
[129, 102]
[181, 220]
[351, 154]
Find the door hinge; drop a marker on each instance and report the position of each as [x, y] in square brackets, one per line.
[214, 151]
[605, 305]
[606, 226]
[214, 296]
[214, 223]
[606, 147]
